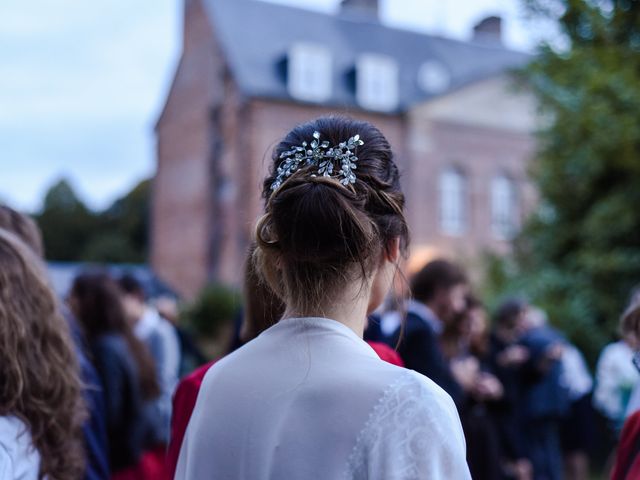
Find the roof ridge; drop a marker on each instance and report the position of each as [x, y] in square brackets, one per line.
[255, 59]
[382, 24]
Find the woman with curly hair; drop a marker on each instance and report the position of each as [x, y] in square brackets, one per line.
[41, 406]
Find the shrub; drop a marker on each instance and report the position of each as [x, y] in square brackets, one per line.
[215, 306]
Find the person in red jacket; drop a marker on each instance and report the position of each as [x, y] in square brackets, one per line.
[627, 466]
[627, 463]
[262, 310]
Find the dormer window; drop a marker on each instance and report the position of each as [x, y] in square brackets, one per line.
[377, 82]
[433, 77]
[309, 72]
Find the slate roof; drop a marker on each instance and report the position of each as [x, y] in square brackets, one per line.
[255, 37]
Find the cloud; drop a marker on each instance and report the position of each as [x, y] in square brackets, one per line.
[80, 91]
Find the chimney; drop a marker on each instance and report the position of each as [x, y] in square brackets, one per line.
[362, 9]
[488, 31]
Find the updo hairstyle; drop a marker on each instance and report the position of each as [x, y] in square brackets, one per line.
[318, 235]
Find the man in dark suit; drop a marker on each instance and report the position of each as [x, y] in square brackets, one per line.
[545, 398]
[438, 292]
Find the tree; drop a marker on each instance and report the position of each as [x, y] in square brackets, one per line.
[579, 255]
[72, 232]
[66, 223]
[125, 226]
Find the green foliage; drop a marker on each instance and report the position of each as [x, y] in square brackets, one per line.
[215, 306]
[129, 217]
[579, 255]
[72, 232]
[66, 223]
[110, 247]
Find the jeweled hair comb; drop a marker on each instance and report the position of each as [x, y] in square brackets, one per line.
[320, 154]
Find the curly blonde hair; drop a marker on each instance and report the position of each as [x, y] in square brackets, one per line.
[40, 377]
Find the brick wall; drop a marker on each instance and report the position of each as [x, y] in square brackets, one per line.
[180, 214]
[214, 148]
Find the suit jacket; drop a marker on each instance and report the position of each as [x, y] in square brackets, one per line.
[421, 351]
[545, 393]
[94, 429]
[128, 423]
[627, 466]
[507, 412]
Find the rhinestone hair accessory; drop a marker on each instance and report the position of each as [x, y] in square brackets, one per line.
[323, 156]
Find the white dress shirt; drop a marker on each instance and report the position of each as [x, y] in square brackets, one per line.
[615, 379]
[161, 338]
[310, 399]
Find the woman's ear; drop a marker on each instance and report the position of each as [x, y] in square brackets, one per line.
[392, 250]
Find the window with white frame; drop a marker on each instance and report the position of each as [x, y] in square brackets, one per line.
[504, 207]
[309, 72]
[433, 77]
[377, 82]
[452, 193]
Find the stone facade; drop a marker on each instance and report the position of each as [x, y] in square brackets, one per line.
[483, 130]
[214, 145]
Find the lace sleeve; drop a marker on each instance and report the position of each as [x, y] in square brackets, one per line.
[413, 432]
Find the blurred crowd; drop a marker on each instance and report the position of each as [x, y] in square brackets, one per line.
[522, 390]
[529, 406]
[525, 394]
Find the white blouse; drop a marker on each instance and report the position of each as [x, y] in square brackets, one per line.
[310, 399]
[616, 377]
[19, 460]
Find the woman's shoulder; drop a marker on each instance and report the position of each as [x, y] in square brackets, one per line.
[405, 392]
[616, 349]
[390, 377]
[416, 428]
[18, 456]
[411, 387]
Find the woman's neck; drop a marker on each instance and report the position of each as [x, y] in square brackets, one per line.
[351, 312]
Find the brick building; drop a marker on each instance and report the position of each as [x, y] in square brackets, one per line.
[250, 70]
